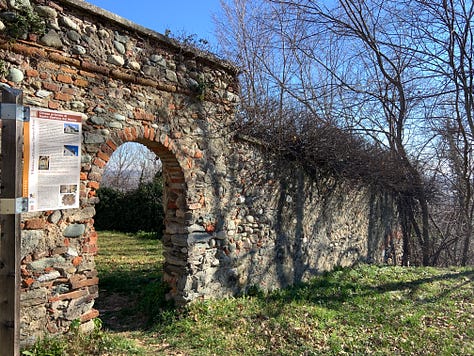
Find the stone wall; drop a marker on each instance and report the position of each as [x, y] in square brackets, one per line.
[273, 225]
[235, 216]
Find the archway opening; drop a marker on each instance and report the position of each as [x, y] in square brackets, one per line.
[138, 203]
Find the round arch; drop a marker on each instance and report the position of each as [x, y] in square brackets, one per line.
[177, 214]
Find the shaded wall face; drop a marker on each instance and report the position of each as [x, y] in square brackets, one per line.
[275, 225]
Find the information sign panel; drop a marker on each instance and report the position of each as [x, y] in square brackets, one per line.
[52, 160]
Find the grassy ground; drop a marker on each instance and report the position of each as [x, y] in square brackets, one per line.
[361, 311]
[132, 295]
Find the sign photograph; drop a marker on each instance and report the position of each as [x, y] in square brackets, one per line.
[52, 164]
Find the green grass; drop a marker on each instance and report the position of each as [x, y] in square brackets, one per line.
[132, 295]
[366, 310]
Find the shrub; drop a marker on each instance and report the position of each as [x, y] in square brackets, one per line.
[140, 209]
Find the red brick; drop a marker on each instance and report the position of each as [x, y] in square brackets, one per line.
[24, 272]
[53, 105]
[111, 144]
[64, 78]
[51, 86]
[87, 74]
[210, 228]
[122, 136]
[106, 149]
[81, 83]
[93, 185]
[76, 261]
[35, 224]
[70, 295]
[177, 180]
[152, 134]
[146, 132]
[126, 134]
[55, 6]
[63, 97]
[94, 68]
[198, 154]
[103, 156]
[124, 76]
[68, 70]
[32, 73]
[134, 133]
[140, 114]
[93, 237]
[91, 314]
[147, 82]
[28, 282]
[99, 163]
[59, 58]
[78, 281]
[27, 50]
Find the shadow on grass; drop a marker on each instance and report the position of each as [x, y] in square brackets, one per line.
[131, 288]
[133, 300]
[414, 285]
[334, 290]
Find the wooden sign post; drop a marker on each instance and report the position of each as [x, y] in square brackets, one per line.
[11, 113]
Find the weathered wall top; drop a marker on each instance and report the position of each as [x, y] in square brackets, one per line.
[165, 40]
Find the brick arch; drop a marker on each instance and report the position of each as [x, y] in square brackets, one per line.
[174, 193]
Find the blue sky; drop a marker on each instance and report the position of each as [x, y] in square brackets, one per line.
[180, 16]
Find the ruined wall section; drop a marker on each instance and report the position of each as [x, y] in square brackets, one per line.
[131, 84]
[274, 225]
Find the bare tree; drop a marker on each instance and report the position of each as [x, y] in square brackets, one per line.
[131, 164]
[399, 73]
[446, 47]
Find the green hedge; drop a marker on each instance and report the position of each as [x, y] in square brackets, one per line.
[140, 209]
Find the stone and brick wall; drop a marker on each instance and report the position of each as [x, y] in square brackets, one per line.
[235, 216]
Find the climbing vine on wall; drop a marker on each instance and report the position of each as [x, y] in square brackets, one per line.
[19, 23]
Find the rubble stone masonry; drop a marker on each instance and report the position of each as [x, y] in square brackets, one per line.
[235, 216]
